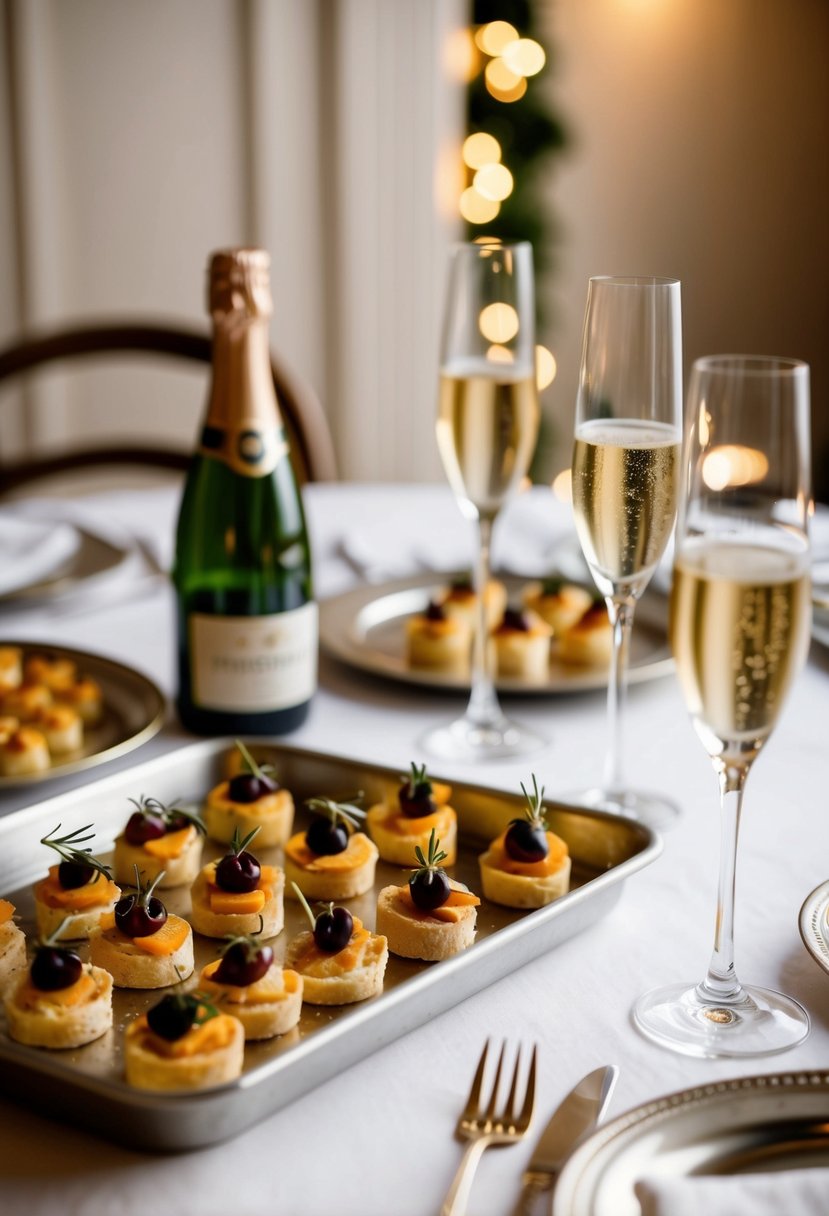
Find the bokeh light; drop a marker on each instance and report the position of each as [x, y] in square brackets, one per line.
[493, 182]
[545, 367]
[499, 354]
[563, 485]
[733, 465]
[492, 38]
[481, 149]
[476, 209]
[524, 57]
[498, 323]
[461, 57]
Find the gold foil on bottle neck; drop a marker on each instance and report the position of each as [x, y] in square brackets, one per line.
[240, 283]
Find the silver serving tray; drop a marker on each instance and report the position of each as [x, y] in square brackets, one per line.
[748, 1125]
[134, 711]
[366, 628]
[814, 924]
[86, 1085]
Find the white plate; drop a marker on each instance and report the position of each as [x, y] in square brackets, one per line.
[366, 629]
[748, 1125]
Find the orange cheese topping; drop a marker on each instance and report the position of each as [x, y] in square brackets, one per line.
[172, 844]
[356, 853]
[239, 903]
[6, 911]
[170, 937]
[441, 820]
[555, 859]
[450, 912]
[212, 1035]
[319, 965]
[266, 991]
[84, 990]
[99, 890]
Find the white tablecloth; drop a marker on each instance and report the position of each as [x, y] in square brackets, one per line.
[379, 1138]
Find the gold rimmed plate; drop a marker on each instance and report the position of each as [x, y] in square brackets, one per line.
[134, 709]
[814, 925]
[366, 628]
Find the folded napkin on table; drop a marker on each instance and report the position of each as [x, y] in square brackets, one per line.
[788, 1193]
[31, 550]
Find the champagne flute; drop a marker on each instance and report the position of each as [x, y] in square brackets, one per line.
[487, 425]
[628, 436]
[740, 623]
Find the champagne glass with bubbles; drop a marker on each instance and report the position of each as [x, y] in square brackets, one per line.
[487, 425]
[740, 625]
[628, 437]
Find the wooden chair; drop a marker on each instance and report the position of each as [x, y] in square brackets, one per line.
[312, 450]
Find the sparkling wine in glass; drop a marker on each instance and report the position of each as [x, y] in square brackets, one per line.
[628, 437]
[487, 425]
[740, 624]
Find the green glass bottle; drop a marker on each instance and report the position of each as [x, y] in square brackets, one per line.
[247, 622]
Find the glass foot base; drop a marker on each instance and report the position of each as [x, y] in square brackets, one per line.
[654, 810]
[761, 1023]
[467, 740]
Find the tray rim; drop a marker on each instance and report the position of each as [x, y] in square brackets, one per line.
[338, 640]
[344, 1041]
[120, 671]
[815, 907]
[577, 1185]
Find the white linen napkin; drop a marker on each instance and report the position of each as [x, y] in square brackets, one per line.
[788, 1193]
[30, 549]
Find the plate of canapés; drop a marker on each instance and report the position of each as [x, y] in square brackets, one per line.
[549, 635]
[62, 710]
[105, 929]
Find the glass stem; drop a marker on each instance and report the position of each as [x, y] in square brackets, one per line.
[483, 708]
[620, 612]
[721, 983]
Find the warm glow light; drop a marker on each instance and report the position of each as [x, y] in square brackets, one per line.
[499, 354]
[507, 95]
[563, 485]
[524, 57]
[498, 76]
[494, 37]
[545, 367]
[476, 209]
[498, 323]
[448, 180]
[493, 182]
[703, 428]
[733, 465]
[481, 149]
[526, 483]
[460, 56]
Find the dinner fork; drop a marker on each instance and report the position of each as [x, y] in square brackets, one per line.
[483, 1128]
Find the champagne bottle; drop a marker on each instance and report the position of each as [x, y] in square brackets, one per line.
[246, 618]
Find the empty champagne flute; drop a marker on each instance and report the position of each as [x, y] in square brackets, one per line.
[628, 436]
[740, 624]
[487, 425]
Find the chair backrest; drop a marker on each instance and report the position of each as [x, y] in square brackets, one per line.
[312, 450]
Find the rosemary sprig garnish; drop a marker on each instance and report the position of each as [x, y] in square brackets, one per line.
[250, 941]
[238, 845]
[534, 811]
[416, 777]
[258, 770]
[67, 848]
[170, 812]
[434, 857]
[347, 811]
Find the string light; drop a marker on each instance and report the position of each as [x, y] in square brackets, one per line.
[499, 354]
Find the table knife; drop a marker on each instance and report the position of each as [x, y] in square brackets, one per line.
[578, 1114]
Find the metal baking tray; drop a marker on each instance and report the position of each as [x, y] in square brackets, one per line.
[86, 1085]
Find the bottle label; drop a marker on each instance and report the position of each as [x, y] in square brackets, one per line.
[254, 664]
[249, 451]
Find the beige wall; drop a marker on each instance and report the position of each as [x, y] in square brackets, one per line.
[700, 148]
[149, 133]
